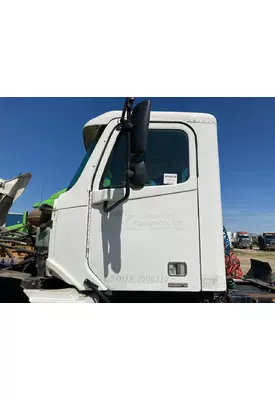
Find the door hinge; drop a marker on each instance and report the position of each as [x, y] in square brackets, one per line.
[89, 224]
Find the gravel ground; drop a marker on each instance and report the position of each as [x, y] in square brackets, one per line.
[245, 256]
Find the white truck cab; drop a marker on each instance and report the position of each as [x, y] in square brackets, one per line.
[167, 236]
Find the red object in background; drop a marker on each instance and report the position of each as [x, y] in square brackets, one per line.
[233, 266]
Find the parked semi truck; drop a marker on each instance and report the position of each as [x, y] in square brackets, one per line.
[242, 241]
[266, 241]
[134, 223]
[254, 239]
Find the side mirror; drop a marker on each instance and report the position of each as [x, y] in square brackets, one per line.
[135, 125]
[140, 119]
[138, 176]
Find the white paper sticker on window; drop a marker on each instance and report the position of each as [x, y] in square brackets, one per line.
[170, 179]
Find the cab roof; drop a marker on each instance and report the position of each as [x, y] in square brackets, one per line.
[91, 128]
[105, 118]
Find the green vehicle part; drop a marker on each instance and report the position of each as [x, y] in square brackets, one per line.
[50, 201]
[19, 227]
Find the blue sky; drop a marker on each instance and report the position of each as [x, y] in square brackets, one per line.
[44, 136]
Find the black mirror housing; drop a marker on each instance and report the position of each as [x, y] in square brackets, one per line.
[139, 175]
[134, 124]
[140, 119]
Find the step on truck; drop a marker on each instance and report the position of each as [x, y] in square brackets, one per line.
[141, 220]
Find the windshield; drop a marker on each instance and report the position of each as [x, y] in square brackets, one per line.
[244, 237]
[268, 238]
[82, 165]
[91, 137]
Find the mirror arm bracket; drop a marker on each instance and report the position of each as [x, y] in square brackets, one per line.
[129, 124]
[107, 209]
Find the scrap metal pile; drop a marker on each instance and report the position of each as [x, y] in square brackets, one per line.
[24, 247]
[232, 262]
[17, 249]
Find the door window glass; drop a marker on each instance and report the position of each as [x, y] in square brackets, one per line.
[167, 159]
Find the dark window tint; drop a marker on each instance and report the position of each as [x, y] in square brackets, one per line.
[167, 156]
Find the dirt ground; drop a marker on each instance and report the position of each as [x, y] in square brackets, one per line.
[245, 256]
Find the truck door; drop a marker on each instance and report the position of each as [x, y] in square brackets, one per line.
[150, 242]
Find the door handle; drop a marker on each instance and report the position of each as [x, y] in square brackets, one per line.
[177, 269]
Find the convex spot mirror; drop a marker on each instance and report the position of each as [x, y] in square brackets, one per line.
[138, 175]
